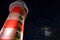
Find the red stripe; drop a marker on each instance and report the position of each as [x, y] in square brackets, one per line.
[11, 24]
[23, 11]
[22, 27]
[16, 9]
[5, 39]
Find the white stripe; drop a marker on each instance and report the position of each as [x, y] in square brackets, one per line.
[1, 30]
[8, 33]
[13, 16]
[21, 35]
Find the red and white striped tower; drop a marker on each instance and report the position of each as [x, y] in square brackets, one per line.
[9, 28]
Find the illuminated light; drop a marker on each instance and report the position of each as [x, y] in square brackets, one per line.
[46, 31]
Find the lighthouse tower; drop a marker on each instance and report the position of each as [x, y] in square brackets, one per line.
[18, 12]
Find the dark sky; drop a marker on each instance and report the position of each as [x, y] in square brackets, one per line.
[41, 13]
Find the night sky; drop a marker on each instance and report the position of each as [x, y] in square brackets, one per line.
[41, 14]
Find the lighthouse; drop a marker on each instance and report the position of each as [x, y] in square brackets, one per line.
[17, 15]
